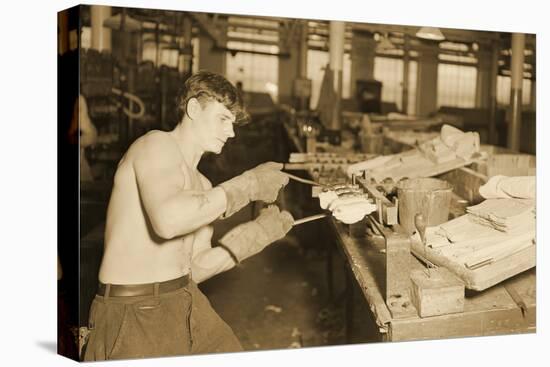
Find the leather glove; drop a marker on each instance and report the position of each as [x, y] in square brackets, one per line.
[249, 238]
[260, 183]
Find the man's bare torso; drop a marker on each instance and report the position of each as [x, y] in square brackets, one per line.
[133, 253]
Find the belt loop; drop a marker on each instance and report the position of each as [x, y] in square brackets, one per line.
[156, 287]
[107, 290]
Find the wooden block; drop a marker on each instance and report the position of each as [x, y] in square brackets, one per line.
[437, 292]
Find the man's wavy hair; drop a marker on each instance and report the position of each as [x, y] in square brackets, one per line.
[206, 86]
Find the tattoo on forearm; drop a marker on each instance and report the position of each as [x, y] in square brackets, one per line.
[203, 200]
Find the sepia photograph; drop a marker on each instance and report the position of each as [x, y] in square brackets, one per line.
[230, 182]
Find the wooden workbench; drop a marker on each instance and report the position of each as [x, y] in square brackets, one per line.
[507, 308]
[491, 312]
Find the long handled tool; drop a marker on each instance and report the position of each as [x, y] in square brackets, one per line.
[309, 219]
[304, 180]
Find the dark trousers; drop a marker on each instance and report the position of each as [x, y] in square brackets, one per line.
[179, 322]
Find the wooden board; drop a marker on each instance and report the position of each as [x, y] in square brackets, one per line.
[468, 323]
[415, 164]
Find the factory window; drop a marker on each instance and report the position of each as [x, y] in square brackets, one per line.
[257, 72]
[85, 37]
[504, 86]
[456, 85]
[317, 61]
[389, 71]
[169, 56]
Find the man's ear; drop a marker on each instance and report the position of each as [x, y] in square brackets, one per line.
[194, 108]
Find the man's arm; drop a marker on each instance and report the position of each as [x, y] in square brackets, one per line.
[172, 210]
[208, 261]
[240, 243]
[205, 260]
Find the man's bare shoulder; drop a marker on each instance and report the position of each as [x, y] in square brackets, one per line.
[155, 145]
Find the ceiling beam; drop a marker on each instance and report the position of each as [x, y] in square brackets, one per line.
[213, 29]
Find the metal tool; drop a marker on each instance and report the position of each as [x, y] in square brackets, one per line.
[309, 219]
[304, 180]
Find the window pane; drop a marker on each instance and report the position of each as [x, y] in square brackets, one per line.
[390, 73]
[504, 84]
[456, 85]
[316, 63]
[258, 73]
[526, 92]
[504, 88]
[86, 37]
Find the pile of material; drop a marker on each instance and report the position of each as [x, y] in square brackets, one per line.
[452, 149]
[493, 230]
[348, 204]
[506, 215]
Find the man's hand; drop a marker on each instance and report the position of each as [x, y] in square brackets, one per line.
[250, 238]
[269, 180]
[260, 183]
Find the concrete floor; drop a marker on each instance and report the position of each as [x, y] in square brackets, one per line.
[278, 298]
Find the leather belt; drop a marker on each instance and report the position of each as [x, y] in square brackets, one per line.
[132, 290]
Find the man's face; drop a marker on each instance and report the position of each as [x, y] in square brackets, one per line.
[214, 126]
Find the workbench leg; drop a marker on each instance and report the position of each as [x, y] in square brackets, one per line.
[349, 307]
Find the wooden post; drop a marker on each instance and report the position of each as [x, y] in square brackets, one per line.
[495, 50]
[426, 99]
[101, 36]
[514, 126]
[336, 60]
[405, 92]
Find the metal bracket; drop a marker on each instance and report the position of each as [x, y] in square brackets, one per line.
[398, 268]
[387, 210]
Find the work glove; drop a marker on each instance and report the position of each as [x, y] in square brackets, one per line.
[250, 238]
[260, 183]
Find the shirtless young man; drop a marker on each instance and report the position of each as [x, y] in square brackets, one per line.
[157, 235]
